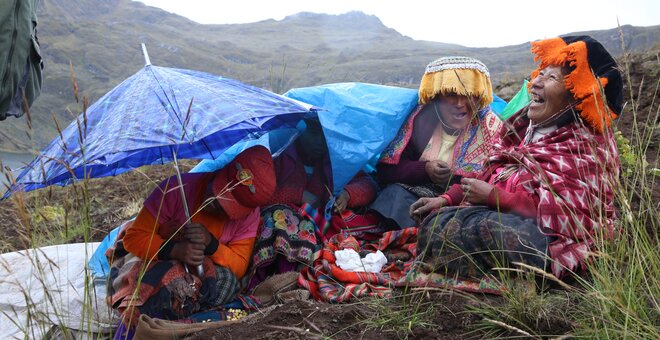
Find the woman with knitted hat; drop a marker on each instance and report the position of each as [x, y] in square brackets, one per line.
[446, 136]
[148, 273]
[546, 193]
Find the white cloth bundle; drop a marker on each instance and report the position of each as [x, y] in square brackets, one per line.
[349, 260]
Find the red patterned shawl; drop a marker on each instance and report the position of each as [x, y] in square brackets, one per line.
[575, 171]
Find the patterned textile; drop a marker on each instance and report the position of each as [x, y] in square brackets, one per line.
[575, 170]
[418, 278]
[286, 241]
[320, 217]
[327, 282]
[469, 241]
[226, 286]
[291, 238]
[471, 147]
[329, 223]
[163, 288]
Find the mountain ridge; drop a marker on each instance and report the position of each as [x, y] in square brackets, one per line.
[101, 39]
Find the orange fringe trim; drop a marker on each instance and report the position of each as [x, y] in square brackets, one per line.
[464, 82]
[582, 83]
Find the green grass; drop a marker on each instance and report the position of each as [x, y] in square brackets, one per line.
[399, 316]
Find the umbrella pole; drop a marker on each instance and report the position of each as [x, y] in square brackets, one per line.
[147, 61]
[200, 269]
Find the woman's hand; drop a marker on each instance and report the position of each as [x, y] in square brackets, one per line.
[342, 202]
[476, 191]
[425, 205]
[189, 253]
[197, 233]
[439, 172]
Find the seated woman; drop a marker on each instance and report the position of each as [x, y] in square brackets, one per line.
[546, 193]
[446, 136]
[297, 220]
[164, 245]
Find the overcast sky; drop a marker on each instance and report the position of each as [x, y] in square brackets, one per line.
[474, 23]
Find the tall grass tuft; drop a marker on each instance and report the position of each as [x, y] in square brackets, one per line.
[620, 299]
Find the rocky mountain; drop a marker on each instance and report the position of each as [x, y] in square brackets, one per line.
[101, 40]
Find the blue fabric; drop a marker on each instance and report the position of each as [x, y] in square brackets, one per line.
[98, 263]
[498, 104]
[276, 141]
[358, 121]
[145, 119]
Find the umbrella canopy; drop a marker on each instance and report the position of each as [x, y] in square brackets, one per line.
[154, 115]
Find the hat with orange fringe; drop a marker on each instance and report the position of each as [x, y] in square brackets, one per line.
[456, 75]
[592, 69]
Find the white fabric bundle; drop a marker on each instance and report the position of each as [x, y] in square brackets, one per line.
[349, 260]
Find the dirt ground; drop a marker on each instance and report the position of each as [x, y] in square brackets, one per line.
[446, 315]
[445, 319]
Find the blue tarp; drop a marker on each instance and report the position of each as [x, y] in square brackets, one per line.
[358, 122]
[498, 105]
[276, 141]
[98, 263]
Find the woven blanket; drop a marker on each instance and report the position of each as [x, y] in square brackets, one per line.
[327, 282]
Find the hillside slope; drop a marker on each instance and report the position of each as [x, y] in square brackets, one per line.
[101, 39]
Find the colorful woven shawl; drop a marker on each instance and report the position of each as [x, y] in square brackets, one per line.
[575, 170]
[470, 150]
[328, 282]
[162, 288]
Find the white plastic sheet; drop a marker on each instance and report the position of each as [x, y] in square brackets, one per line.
[50, 286]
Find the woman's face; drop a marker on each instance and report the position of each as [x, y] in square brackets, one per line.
[456, 111]
[549, 94]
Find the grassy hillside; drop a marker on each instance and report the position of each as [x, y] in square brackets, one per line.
[101, 39]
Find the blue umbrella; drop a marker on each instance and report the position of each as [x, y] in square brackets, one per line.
[155, 116]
